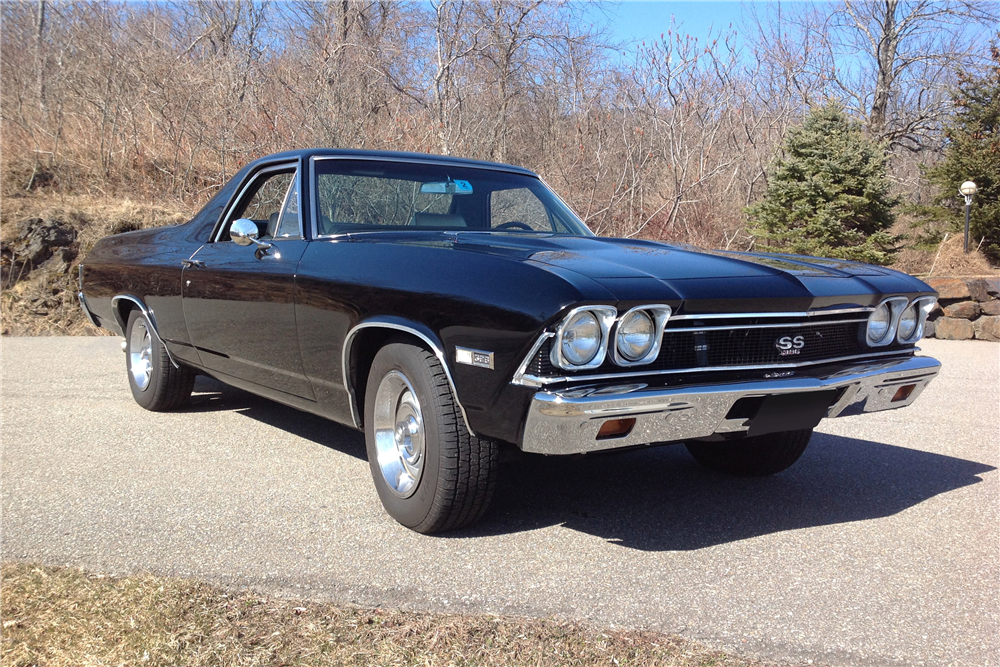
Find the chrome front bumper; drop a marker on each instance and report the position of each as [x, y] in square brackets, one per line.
[566, 422]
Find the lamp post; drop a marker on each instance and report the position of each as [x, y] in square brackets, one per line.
[968, 190]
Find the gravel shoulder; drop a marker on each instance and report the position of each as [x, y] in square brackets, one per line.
[881, 546]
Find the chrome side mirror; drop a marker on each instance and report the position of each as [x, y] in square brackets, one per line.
[243, 231]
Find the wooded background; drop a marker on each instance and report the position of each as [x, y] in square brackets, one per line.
[669, 139]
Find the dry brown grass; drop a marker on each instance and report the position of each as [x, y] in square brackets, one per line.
[44, 301]
[62, 616]
[947, 259]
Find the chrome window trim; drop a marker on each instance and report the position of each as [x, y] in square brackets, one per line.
[568, 207]
[606, 317]
[235, 201]
[314, 191]
[295, 185]
[149, 318]
[380, 323]
[314, 203]
[535, 381]
[440, 163]
[660, 314]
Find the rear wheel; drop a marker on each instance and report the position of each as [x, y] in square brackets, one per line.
[758, 456]
[155, 382]
[431, 474]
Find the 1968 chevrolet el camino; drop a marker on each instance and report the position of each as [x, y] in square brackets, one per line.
[447, 307]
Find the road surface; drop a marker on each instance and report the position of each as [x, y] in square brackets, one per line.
[881, 546]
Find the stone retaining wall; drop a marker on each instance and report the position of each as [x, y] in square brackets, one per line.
[967, 308]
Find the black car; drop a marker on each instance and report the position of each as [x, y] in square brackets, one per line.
[448, 307]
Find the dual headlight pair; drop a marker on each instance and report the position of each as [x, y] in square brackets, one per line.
[898, 319]
[584, 337]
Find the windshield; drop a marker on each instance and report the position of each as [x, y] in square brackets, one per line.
[365, 195]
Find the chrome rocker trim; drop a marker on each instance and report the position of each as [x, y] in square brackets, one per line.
[567, 422]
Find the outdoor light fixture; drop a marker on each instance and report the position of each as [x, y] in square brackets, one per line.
[967, 190]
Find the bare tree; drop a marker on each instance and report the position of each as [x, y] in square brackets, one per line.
[892, 62]
[671, 142]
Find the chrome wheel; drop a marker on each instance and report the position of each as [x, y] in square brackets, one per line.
[140, 361]
[399, 434]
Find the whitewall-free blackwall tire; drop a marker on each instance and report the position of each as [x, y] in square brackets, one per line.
[431, 474]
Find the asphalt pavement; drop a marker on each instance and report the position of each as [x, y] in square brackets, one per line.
[881, 546]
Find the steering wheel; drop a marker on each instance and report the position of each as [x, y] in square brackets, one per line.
[515, 224]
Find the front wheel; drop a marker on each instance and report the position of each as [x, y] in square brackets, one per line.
[758, 456]
[155, 382]
[431, 474]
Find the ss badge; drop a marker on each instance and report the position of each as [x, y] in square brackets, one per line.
[788, 345]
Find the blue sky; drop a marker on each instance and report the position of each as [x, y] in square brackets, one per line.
[645, 20]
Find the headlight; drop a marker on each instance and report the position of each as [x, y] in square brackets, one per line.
[581, 338]
[907, 323]
[639, 332]
[635, 335]
[878, 324]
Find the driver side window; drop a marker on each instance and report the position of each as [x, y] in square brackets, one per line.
[518, 205]
[271, 202]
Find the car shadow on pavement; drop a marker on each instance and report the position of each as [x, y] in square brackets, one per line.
[659, 499]
[210, 395]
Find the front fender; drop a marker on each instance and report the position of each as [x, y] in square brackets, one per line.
[396, 324]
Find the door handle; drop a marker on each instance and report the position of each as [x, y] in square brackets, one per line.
[192, 263]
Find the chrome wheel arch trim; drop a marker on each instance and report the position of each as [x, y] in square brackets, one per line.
[149, 318]
[395, 324]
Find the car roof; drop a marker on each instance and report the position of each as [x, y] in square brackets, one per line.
[394, 156]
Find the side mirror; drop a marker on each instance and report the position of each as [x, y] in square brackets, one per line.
[243, 231]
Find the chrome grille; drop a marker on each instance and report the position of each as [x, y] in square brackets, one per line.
[722, 342]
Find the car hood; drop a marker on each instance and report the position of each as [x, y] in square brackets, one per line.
[636, 270]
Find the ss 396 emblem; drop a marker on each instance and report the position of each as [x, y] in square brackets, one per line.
[788, 345]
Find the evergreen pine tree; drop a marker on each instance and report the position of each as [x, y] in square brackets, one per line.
[828, 196]
[972, 154]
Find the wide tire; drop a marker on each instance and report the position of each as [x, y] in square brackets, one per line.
[156, 383]
[431, 474]
[758, 456]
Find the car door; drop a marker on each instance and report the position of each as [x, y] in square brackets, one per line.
[239, 301]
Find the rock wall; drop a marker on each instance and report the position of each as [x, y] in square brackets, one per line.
[967, 308]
